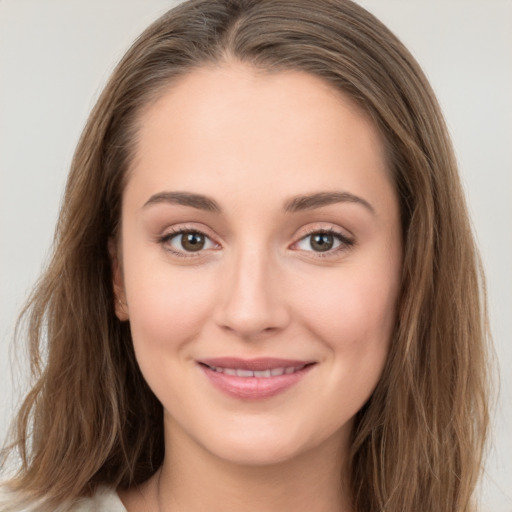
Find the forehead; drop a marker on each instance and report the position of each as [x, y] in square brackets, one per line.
[234, 126]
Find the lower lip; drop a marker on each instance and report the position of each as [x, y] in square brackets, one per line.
[254, 388]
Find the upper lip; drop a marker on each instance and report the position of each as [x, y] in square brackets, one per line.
[258, 364]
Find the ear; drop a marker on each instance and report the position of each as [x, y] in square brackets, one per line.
[120, 304]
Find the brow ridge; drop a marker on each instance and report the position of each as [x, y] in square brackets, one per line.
[191, 199]
[293, 205]
[320, 199]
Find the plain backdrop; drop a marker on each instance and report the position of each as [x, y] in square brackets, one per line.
[55, 55]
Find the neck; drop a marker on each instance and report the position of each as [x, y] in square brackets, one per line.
[193, 479]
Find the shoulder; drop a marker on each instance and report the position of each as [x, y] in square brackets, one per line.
[103, 500]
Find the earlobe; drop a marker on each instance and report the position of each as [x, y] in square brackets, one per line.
[120, 304]
[121, 308]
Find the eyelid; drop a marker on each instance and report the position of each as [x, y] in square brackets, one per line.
[174, 231]
[346, 242]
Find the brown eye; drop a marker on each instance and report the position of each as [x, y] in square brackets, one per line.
[181, 242]
[321, 242]
[324, 242]
[192, 241]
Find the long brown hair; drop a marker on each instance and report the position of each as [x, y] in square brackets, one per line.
[90, 419]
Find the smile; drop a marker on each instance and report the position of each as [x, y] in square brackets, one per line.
[275, 372]
[254, 379]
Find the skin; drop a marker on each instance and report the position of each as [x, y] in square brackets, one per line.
[251, 141]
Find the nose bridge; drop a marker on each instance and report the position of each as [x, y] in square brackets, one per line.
[251, 303]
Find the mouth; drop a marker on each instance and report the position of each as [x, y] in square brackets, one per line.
[265, 374]
[253, 379]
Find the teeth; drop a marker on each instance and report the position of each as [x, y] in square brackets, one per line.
[245, 373]
[264, 373]
[275, 372]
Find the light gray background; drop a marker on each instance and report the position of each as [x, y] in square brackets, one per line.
[55, 55]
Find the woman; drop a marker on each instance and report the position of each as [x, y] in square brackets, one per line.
[264, 292]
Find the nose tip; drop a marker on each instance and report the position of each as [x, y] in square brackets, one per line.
[251, 304]
[248, 329]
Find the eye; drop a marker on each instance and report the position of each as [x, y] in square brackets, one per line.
[324, 241]
[187, 241]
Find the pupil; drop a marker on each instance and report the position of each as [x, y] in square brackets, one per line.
[322, 242]
[192, 241]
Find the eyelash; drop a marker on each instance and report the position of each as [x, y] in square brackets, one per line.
[345, 242]
[165, 239]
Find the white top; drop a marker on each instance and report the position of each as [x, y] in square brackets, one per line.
[103, 500]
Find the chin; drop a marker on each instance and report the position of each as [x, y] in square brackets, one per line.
[256, 454]
[260, 446]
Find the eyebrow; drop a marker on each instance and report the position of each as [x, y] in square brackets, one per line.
[293, 205]
[319, 199]
[185, 199]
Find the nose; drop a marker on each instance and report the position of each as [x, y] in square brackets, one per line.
[252, 302]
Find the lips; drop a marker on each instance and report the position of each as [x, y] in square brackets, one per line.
[254, 378]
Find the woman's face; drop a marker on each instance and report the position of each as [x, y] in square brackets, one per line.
[260, 233]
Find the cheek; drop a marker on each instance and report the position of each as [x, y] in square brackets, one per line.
[352, 311]
[167, 306]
